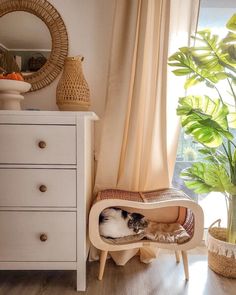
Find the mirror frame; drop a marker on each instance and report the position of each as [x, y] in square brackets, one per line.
[50, 16]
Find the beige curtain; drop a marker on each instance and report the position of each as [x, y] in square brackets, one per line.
[139, 141]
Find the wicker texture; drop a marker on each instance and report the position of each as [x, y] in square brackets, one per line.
[72, 89]
[221, 258]
[222, 265]
[147, 197]
[188, 224]
[50, 16]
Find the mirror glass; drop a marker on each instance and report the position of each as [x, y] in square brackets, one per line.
[25, 43]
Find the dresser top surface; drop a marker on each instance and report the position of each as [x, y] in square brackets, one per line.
[47, 113]
[44, 117]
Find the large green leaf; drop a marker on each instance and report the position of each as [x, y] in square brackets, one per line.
[231, 24]
[194, 178]
[208, 61]
[213, 155]
[219, 54]
[228, 46]
[217, 177]
[204, 119]
[186, 65]
[205, 177]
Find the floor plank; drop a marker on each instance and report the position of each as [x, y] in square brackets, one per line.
[162, 277]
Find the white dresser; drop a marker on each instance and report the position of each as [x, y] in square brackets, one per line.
[46, 175]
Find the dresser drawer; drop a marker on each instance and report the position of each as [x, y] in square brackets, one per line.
[38, 187]
[37, 236]
[37, 144]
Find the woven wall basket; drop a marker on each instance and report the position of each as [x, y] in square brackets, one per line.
[221, 255]
[72, 90]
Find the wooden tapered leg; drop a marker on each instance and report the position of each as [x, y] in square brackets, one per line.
[177, 257]
[185, 262]
[103, 257]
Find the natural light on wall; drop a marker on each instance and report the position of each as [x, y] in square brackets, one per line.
[214, 15]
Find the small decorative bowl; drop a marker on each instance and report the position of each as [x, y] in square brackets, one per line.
[10, 93]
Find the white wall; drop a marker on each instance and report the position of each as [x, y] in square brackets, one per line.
[89, 26]
[23, 36]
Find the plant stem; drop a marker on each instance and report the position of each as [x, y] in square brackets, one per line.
[221, 99]
[226, 152]
[226, 202]
[232, 167]
[229, 151]
[231, 228]
[232, 143]
[232, 90]
[227, 66]
[229, 156]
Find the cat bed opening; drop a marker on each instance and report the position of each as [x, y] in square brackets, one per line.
[168, 230]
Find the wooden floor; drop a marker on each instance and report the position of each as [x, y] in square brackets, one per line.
[162, 277]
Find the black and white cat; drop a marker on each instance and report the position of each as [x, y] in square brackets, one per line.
[117, 223]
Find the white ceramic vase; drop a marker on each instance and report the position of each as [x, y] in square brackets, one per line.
[11, 93]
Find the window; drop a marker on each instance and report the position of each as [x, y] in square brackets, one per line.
[214, 14]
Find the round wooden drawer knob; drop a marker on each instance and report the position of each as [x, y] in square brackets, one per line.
[43, 188]
[43, 237]
[42, 144]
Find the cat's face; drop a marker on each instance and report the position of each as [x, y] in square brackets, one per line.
[137, 222]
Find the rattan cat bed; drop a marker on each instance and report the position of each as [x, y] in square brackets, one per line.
[165, 205]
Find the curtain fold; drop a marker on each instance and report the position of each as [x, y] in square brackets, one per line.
[140, 127]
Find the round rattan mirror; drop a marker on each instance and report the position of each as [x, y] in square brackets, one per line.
[44, 12]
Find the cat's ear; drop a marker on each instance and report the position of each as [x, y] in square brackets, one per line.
[137, 216]
[124, 214]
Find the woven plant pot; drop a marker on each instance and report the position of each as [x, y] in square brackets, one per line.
[72, 90]
[221, 254]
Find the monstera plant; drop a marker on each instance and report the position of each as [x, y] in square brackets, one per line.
[211, 120]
